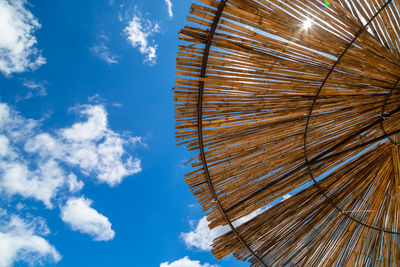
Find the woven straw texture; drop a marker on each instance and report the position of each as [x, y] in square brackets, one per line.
[297, 97]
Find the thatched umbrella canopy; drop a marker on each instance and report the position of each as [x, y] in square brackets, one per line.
[295, 96]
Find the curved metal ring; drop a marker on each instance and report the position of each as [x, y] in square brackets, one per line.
[383, 115]
[307, 163]
[200, 129]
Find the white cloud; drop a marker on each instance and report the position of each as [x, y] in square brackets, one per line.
[89, 145]
[96, 149]
[14, 126]
[201, 237]
[35, 85]
[169, 8]
[4, 145]
[286, 196]
[41, 184]
[22, 241]
[138, 33]
[103, 52]
[74, 185]
[18, 51]
[92, 129]
[96, 99]
[186, 262]
[19, 206]
[16, 173]
[35, 164]
[81, 217]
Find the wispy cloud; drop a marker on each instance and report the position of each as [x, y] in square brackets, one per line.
[96, 99]
[36, 85]
[103, 52]
[169, 8]
[138, 33]
[18, 51]
[81, 217]
[186, 262]
[35, 89]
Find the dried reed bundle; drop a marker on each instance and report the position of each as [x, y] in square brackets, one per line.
[277, 94]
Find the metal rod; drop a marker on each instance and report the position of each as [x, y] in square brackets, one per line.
[384, 115]
[200, 129]
[307, 163]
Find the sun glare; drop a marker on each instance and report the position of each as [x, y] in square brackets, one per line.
[307, 24]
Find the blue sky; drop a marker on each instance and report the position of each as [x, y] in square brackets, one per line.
[90, 174]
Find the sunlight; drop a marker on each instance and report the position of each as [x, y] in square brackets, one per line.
[307, 24]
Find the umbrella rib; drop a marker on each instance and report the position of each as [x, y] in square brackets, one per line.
[200, 129]
[383, 113]
[320, 157]
[307, 163]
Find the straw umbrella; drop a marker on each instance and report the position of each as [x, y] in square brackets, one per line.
[298, 97]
